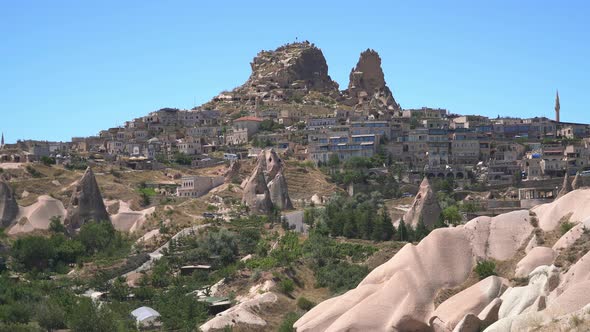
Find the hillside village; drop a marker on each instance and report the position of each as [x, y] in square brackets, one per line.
[287, 204]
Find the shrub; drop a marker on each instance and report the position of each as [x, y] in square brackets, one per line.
[305, 304]
[34, 173]
[286, 286]
[565, 226]
[342, 276]
[288, 321]
[485, 269]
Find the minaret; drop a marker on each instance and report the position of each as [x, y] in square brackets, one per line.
[2, 141]
[557, 107]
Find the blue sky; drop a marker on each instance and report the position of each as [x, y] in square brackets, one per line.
[71, 68]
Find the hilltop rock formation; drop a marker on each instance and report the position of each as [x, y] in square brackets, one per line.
[425, 207]
[566, 187]
[8, 205]
[267, 177]
[289, 72]
[400, 294]
[86, 203]
[256, 194]
[367, 85]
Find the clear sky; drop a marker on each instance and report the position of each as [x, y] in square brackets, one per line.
[72, 68]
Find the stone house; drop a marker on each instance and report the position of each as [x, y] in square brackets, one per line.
[197, 186]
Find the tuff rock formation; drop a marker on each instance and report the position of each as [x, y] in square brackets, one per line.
[267, 177]
[566, 187]
[425, 207]
[38, 215]
[86, 203]
[287, 73]
[256, 194]
[367, 85]
[400, 294]
[578, 182]
[232, 172]
[8, 205]
[279, 194]
[274, 164]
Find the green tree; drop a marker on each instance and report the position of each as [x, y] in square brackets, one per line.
[33, 252]
[96, 236]
[402, 231]
[56, 226]
[50, 316]
[89, 317]
[421, 231]
[452, 215]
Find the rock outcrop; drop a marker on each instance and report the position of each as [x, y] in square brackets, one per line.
[425, 207]
[279, 194]
[256, 194]
[267, 186]
[577, 183]
[566, 187]
[367, 85]
[86, 203]
[399, 295]
[232, 172]
[287, 73]
[8, 205]
[38, 215]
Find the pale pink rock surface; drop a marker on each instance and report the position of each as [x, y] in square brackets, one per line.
[536, 257]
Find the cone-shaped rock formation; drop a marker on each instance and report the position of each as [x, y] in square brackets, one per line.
[367, 84]
[256, 194]
[425, 207]
[86, 203]
[267, 186]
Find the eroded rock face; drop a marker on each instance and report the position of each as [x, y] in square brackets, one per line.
[274, 164]
[86, 203]
[470, 301]
[8, 205]
[367, 84]
[267, 186]
[566, 187]
[256, 194]
[578, 182]
[232, 172]
[292, 69]
[400, 293]
[279, 194]
[425, 207]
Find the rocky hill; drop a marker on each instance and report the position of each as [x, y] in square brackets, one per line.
[297, 75]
